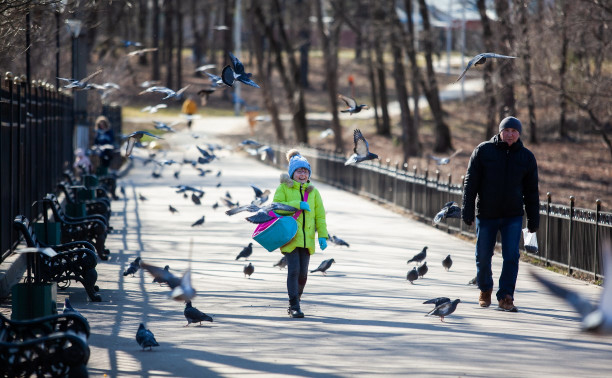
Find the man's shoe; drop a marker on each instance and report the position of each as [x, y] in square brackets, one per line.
[507, 304]
[484, 299]
[295, 312]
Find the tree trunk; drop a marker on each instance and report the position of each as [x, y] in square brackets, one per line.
[372, 80]
[506, 70]
[155, 73]
[304, 39]
[179, 55]
[196, 45]
[414, 67]
[410, 142]
[522, 5]
[489, 91]
[168, 42]
[329, 45]
[264, 72]
[385, 125]
[442, 136]
[143, 10]
[562, 70]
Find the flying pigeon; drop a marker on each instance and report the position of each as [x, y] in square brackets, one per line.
[337, 241]
[422, 270]
[181, 287]
[82, 84]
[246, 252]
[261, 213]
[199, 222]
[127, 43]
[204, 67]
[419, 256]
[481, 59]
[133, 268]
[445, 309]
[153, 109]
[184, 188]
[69, 309]
[214, 79]
[248, 270]
[164, 126]
[145, 338]
[325, 264]
[437, 301]
[167, 91]
[450, 210]
[134, 137]
[326, 133]
[195, 199]
[141, 51]
[193, 315]
[352, 105]
[229, 75]
[149, 83]
[141, 197]
[260, 196]
[595, 318]
[172, 209]
[361, 150]
[444, 160]
[282, 263]
[412, 275]
[159, 279]
[447, 263]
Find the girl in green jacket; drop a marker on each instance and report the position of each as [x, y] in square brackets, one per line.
[296, 190]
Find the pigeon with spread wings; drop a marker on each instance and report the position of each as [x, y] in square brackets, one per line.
[181, 287]
[229, 75]
[361, 149]
[352, 105]
[481, 59]
[134, 137]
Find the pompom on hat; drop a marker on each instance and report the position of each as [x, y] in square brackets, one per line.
[297, 161]
[511, 122]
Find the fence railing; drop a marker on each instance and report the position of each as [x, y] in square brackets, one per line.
[36, 146]
[568, 237]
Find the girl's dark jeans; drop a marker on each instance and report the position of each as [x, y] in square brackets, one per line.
[297, 274]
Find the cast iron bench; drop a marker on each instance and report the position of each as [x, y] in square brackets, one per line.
[106, 187]
[54, 345]
[75, 261]
[79, 228]
[100, 206]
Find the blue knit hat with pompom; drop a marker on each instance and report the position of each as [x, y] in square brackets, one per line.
[297, 161]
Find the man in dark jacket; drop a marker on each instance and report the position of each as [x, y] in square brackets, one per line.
[502, 176]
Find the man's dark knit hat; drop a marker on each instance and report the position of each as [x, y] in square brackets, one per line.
[511, 122]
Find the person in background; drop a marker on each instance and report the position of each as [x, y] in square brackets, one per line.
[189, 108]
[501, 180]
[104, 141]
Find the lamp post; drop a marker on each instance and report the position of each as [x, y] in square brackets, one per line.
[79, 97]
[74, 27]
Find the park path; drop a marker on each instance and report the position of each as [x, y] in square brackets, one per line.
[362, 319]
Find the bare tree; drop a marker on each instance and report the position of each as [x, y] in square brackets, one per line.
[155, 69]
[563, 10]
[329, 35]
[526, 55]
[168, 56]
[506, 71]
[489, 91]
[442, 133]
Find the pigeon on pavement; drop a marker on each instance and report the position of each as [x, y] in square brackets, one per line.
[199, 222]
[595, 318]
[481, 59]
[172, 209]
[447, 263]
[419, 256]
[282, 263]
[422, 270]
[352, 105]
[145, 338]
[69, 309]
[248, 270]
[325, 264]
[412, 275]
[445, 309]
[195, 199]
[246, 252]
[437, 301]
[193, 315]
[133, 268]
[473, 281]
[361, 150]
[450, 210]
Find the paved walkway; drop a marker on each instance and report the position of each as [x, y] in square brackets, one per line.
[362, 319]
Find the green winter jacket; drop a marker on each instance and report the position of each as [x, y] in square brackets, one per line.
[291, 192]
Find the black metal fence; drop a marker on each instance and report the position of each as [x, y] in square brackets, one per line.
[568, 237]
[36, 146]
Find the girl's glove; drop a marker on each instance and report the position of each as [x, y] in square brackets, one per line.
[322, 243]
[304, 206]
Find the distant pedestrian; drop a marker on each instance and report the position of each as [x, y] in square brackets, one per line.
[104, 141]
[297, 191]
[82, 164]
[189, 108]
[501, 179]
